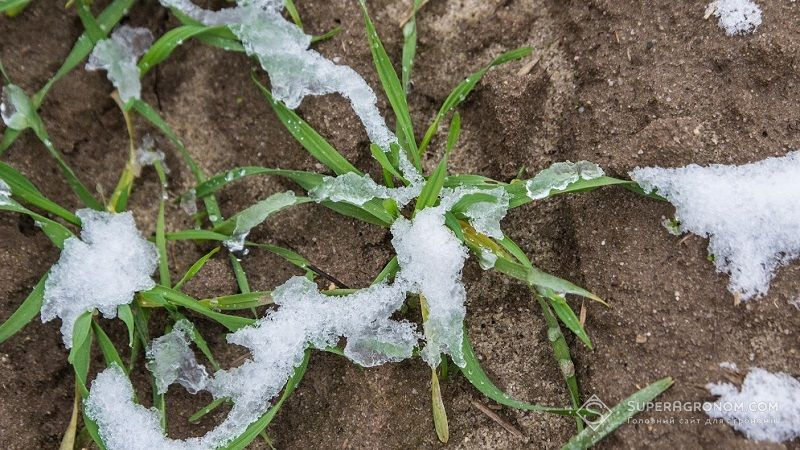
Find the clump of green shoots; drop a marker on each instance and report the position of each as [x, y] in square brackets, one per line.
[496, 251]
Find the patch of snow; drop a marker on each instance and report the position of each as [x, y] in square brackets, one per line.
[15, 107]
[171, 360]
[118, 55]
[755, 419]
[189, 203]
[101, 270]
[749, 213]
[736, 17]
[295, 70]
[560, 175]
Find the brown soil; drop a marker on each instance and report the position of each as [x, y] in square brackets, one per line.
[622, 83]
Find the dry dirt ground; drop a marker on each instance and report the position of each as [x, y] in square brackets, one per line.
[621, 83]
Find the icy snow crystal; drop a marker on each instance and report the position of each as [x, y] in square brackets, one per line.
[118, 54]
[755, 419]
[560, 175]
[737, 16]
[750, 214]
[5, 193]
[359, 189]
[15, 107]
[147, 156]
[295, 71]
[103, 269]
[171, 360]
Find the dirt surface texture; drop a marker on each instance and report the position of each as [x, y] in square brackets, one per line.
[622, 83]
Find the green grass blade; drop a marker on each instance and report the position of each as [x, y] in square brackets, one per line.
[23, 189]
[26, 312]
[244, 300]
[160, 294]
[439, 412]
[562, 356]
[55, 231]
[315, 144]
[198, 340]
[172, 39]
[477, 377]
[72, 180]
[253, 216]
[327, 35]
[393, 89]
[80, 333]
[195, 235]
[433, 186]
[194, 418]
[13, 7]
[537, 278]
[91, 26]
[409, 47]
[292, 10]
[110, 354]
[125, 314]
[567, 316]
[618, 415]
[195, 268]
[463, 89]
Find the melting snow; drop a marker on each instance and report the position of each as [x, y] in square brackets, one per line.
[755, 419]
[118, 55]
[295, 71]
[485, 217]
[15, 107]
[147, 156]
[103, 269]
[246, 221]
[359, 189]
[750, 214]
[560, 175]
[736, 16]
[431, 259]
[171, 360]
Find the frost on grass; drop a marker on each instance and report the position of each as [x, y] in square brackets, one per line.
[295, 70]
[16, 108]
[736, 17]
[118, 55]
[755, 419]
[560, 175]
[171, 360]
[101, 270]
[750, 214]
[431, 259]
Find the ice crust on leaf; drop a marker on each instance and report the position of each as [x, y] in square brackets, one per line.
[737, 17]
[760, 387]
[295, 71]
[118, 55]
[431, 259]
[171, 360]
[101, 270]
[485, 217]
[750, 214]
[359, 189]
[16, 108]
[5, 194]
[253, 216]
[560, 175]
